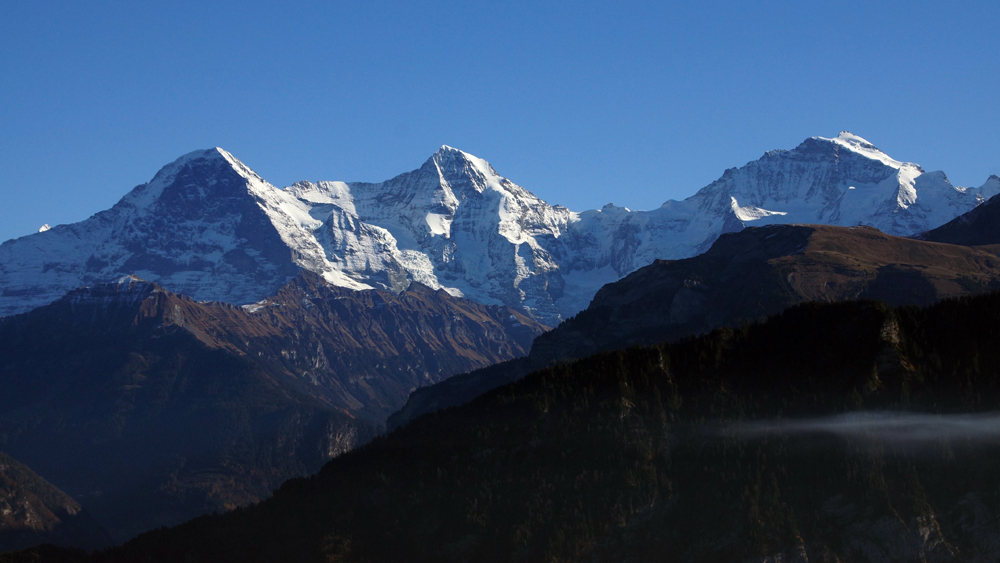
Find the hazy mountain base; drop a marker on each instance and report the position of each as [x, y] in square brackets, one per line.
[640, 455]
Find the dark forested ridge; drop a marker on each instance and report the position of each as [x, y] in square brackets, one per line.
[150, 408]
[745, 276]
[684, 451]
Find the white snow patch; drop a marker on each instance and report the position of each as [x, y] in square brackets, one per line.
[439, 224]
[255, 307]
[128, 280]
[751, 212]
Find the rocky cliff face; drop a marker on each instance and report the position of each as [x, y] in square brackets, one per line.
[366, 351]
[747, 276]
[209, 227]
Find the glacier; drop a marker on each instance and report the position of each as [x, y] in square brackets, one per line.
[209, 227]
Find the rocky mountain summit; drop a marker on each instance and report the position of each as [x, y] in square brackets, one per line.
[208, 226]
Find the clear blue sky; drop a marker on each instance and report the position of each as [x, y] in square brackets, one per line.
[580, 102]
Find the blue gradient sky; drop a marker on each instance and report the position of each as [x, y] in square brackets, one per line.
[582, 103]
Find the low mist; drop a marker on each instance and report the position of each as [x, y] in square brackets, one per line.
[889, 426]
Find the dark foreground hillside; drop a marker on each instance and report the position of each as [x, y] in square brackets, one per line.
[832, 432]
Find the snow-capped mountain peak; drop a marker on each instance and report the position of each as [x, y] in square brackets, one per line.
[451, 162]
[992, 184]
[146, 194]
[201, 174]
[208, 226]
[452, 224]
[856, 144]
[458, 172]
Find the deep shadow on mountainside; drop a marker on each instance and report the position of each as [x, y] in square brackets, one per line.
[745, 276]
[150, 408]
[980, 226]
[32, 511]
[683, 451]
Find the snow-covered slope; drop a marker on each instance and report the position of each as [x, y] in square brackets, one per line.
[209, 227]
[454, 223]
[206, 226]
[843, 181]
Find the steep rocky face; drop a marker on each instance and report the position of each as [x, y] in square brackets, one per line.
[831, 432]
[32, 512]
[744, 277]
[454, 223]
[366, 351]
[209, 227]
[152, 408]
[361, 352]
[205, 226]
[977, 227]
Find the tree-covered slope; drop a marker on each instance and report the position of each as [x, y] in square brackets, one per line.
[827, 433]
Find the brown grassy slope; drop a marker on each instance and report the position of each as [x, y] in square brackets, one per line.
[762, 271]
[360, 351]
